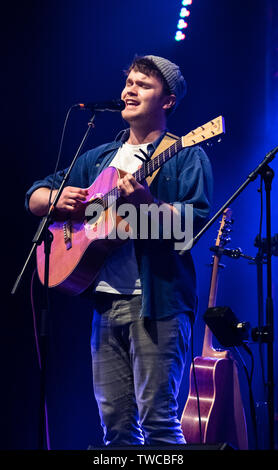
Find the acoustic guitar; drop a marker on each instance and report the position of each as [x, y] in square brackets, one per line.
[80, 246]
[220, 416]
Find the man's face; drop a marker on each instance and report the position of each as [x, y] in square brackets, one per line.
[144, 97]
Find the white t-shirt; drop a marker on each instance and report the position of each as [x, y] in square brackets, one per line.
[119, 274]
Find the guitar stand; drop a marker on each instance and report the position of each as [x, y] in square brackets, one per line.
[43, 234]
[264, 333]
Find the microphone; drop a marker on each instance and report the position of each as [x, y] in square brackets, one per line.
[113, 105]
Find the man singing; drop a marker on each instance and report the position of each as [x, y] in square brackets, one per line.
[145, 294]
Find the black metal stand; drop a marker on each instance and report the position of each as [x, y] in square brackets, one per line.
[43, 344]
[268, 174]
[268, 330]
[44, 234]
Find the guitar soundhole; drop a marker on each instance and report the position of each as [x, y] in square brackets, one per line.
[94, 211]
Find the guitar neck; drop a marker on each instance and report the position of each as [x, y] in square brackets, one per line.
[208, 348]
[146, 170]
[151, 165]
[214, 282]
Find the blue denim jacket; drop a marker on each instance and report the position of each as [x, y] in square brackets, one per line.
[168, 279]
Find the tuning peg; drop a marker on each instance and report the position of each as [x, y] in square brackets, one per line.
[226, 231]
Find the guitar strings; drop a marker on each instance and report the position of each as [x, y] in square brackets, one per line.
[145, 170]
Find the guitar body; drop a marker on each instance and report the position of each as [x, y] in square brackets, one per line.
[221, 410]
[79, 249]
[218, 391]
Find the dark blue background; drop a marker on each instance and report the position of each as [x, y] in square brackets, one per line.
[58, 53]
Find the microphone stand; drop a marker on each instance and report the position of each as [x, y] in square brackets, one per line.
[268, 175]
[44, 234]
[268, 330]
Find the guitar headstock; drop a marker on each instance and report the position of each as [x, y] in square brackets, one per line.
[225, 228]
[205, 132]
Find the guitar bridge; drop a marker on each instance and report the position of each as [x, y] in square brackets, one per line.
[67, 229]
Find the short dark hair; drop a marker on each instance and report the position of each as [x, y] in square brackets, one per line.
[148, 67]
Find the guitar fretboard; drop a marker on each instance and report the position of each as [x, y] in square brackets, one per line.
[144, 171]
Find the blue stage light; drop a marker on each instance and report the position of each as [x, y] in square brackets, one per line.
[179, 36]
[182, 24]
[184, 12]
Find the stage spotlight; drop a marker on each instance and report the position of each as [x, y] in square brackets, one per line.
[179, 36]
[184, 12]
[182, 24]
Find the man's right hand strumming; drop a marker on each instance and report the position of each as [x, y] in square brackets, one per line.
[71, 200]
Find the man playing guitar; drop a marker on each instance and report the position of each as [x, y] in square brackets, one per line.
[144, 295]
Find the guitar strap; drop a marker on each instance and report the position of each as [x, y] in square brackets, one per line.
[166, 142]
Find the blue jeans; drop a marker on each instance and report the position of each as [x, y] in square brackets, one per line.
[137, 369]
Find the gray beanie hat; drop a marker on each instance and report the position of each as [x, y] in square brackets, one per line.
[172, 76]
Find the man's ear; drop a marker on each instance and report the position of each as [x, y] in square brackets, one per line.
[169, 101]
